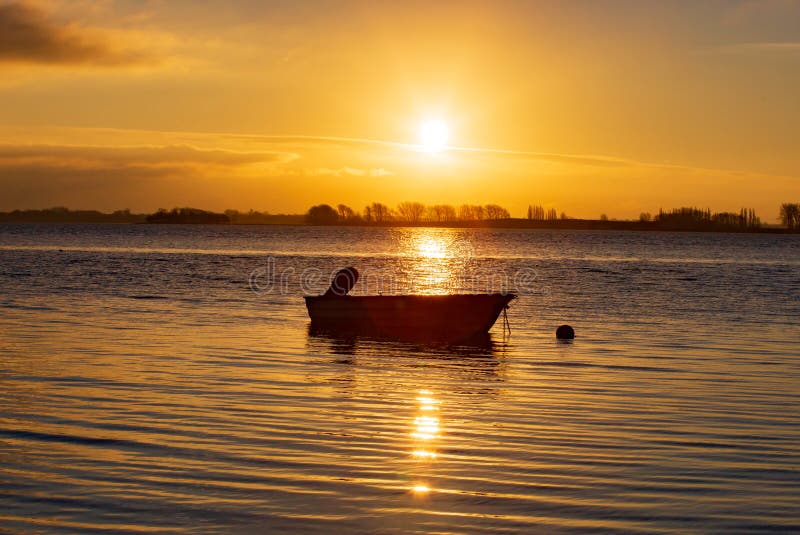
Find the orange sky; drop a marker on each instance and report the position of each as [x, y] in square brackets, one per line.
[588, 107]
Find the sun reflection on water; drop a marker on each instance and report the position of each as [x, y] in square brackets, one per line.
[426, 430]
[431, 247]
[436, 260]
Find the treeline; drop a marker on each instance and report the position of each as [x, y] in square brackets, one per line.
[234, 217]
[187, 216]
[60, 214]
[413, 213]
[697, 219]
[678, 219]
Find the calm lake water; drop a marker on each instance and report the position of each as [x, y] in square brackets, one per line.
[164, 378]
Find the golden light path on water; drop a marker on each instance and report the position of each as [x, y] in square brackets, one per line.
[426, 431]
[438, 260]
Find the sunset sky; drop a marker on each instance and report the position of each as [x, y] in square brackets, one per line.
[589, 107]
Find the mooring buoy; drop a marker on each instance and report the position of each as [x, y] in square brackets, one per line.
[565, 332]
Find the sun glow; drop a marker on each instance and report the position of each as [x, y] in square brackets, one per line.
[433, 135]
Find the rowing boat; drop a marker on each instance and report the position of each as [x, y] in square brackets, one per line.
[449, 317]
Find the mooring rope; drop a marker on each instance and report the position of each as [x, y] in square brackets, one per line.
[506, 324]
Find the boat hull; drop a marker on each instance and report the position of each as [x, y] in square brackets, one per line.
[445, 317]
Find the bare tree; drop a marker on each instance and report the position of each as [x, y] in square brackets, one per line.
[411, 212]
[495, 212]
[380, 212]
[440, 213]
[345, 212]
[536, 213]
[790, 215]
[448, 213]
[470, 212]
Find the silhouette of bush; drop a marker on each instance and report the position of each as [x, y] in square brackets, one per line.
[322, 214]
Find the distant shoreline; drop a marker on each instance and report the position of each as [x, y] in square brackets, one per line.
[512, 223]
[414, 215]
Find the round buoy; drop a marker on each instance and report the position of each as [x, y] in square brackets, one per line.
[565, 332]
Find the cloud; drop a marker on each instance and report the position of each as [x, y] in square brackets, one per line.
[350, 171]
[27, 35]
[94, 157]
[349, 142]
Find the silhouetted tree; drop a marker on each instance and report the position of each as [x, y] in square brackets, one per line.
[603, 217]
[727, 219]
[790, 215]
[495, 212]
[411, 212]
[536, 213]
[440, 213]
[645, 217]
[470, 212]
[346, 213]
[552, 215]
[380, 212]
[322, 214]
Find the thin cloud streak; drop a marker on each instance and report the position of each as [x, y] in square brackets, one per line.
[350, 171]
[581, 159]
[103, 156]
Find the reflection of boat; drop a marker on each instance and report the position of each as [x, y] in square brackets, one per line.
[411, 317]
[364, 343]
[474, 366]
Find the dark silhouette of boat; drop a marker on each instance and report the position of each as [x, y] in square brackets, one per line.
[446, 317]
[410, 317]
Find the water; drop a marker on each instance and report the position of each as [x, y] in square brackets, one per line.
[145, 386]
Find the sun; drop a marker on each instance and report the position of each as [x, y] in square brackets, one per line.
[433, 135]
